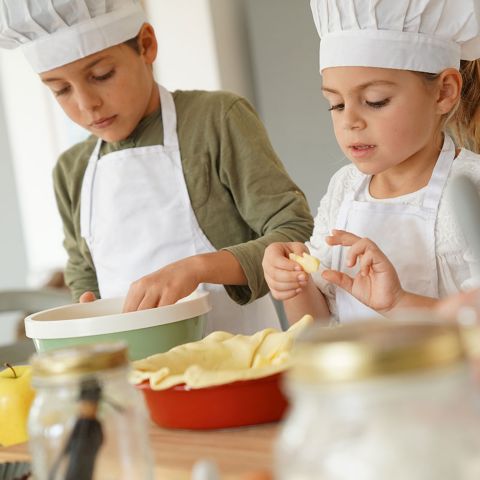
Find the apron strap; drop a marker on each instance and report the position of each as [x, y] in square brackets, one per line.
[87, 192]
[169, 118]
[439, 176]
[342, 218]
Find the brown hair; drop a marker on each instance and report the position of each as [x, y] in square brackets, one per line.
[465, 122]
[133, 43]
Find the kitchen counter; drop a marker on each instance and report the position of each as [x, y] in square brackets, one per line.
[236, 451]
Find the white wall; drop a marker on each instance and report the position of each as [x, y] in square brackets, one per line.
[13, 261]
[233, 49]
[284, 47]
[202, 45]
[35, 141]
[186, 55]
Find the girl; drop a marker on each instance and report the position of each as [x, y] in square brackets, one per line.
[397, 75]
[171, 190]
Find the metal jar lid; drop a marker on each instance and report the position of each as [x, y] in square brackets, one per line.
[79, 360]
[370, 349]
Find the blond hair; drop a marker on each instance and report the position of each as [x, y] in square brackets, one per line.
[464, 123]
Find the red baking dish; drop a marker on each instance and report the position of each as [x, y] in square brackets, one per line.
[234, 404]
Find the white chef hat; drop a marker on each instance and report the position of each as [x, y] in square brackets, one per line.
[420, 35]
[52, 33]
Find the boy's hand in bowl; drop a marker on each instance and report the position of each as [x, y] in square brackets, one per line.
[87, 297]
[164, 286]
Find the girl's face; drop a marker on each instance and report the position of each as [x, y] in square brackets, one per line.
[108, 92]
[381, 117]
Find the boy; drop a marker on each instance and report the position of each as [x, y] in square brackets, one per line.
[171, 190]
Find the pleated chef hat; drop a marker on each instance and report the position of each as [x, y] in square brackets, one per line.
[52, 33]
[419, 35]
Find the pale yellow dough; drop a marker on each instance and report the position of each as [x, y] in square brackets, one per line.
[309, 263]
[220, 358]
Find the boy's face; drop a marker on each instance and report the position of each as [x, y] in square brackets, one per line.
[381, 117]
[107, 93]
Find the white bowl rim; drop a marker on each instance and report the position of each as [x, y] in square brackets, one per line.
[196, 304]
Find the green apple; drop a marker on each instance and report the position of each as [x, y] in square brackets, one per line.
[16, 396]
[309, 263]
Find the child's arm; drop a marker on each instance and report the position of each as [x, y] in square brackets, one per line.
[179, 279]
[309, 301]
[289, 283]
[450, 306]
[376, 284]
[266, 198]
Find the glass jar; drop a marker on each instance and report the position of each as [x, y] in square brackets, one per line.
[87, 422]
[380, 401]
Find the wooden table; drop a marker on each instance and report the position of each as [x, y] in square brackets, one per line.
[236, 451]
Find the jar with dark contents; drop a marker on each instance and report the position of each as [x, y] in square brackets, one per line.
[87, 422]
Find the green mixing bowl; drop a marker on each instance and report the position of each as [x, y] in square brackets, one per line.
[146, 331]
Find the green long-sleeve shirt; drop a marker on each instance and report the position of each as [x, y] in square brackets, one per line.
[241, 195]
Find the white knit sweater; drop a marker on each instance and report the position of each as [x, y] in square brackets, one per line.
[454, 260]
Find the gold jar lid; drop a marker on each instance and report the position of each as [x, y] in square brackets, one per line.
[369, 349]
[81, 359]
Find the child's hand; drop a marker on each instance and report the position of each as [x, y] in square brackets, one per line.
[163, 287]
[376, 284]
[285, 277]
[87, 297]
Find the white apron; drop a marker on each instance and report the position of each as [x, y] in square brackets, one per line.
[405, 233]
[136, 217]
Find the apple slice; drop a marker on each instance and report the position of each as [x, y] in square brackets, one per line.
[307, 262]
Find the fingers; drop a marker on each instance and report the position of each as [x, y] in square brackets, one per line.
[285, 283]
[287, 277]
[284, 293]
[151, 299]
[170, 296]
[284, 277]
[87, 297]
[362, 249]
[282, 282]
[339, 279]
[276, 256]
[341, 237]
[284, 286]
[298, 248]
[133, 299]
[155, 290]
[366, 262]
[347, 239]
[142, 295]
